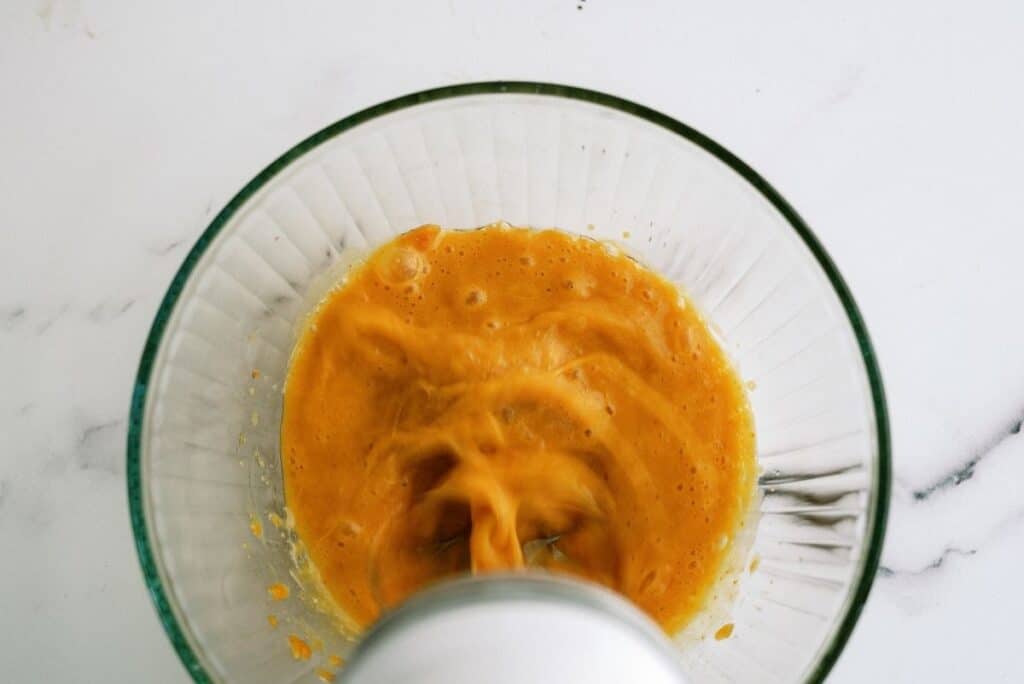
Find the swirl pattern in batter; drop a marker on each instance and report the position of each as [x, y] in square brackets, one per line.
[504, 397]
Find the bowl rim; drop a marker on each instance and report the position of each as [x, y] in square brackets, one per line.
[878, 505]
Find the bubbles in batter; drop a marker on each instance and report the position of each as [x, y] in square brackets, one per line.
[501, 398]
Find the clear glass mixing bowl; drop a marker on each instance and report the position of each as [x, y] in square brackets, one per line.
[203, 435]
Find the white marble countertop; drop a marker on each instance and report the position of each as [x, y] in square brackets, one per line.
[894, 128]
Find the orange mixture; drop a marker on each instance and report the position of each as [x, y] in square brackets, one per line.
[501, 398]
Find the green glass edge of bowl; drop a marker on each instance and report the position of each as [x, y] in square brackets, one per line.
[877, 510]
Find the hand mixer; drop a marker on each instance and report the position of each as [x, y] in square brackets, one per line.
[515, 628]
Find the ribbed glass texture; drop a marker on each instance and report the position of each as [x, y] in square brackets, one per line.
[203, 444]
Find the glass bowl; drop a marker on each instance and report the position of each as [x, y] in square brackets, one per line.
[203, 468]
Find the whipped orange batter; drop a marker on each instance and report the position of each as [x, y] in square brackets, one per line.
[501, 398]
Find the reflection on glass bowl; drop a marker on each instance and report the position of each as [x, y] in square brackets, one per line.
[203, 464]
